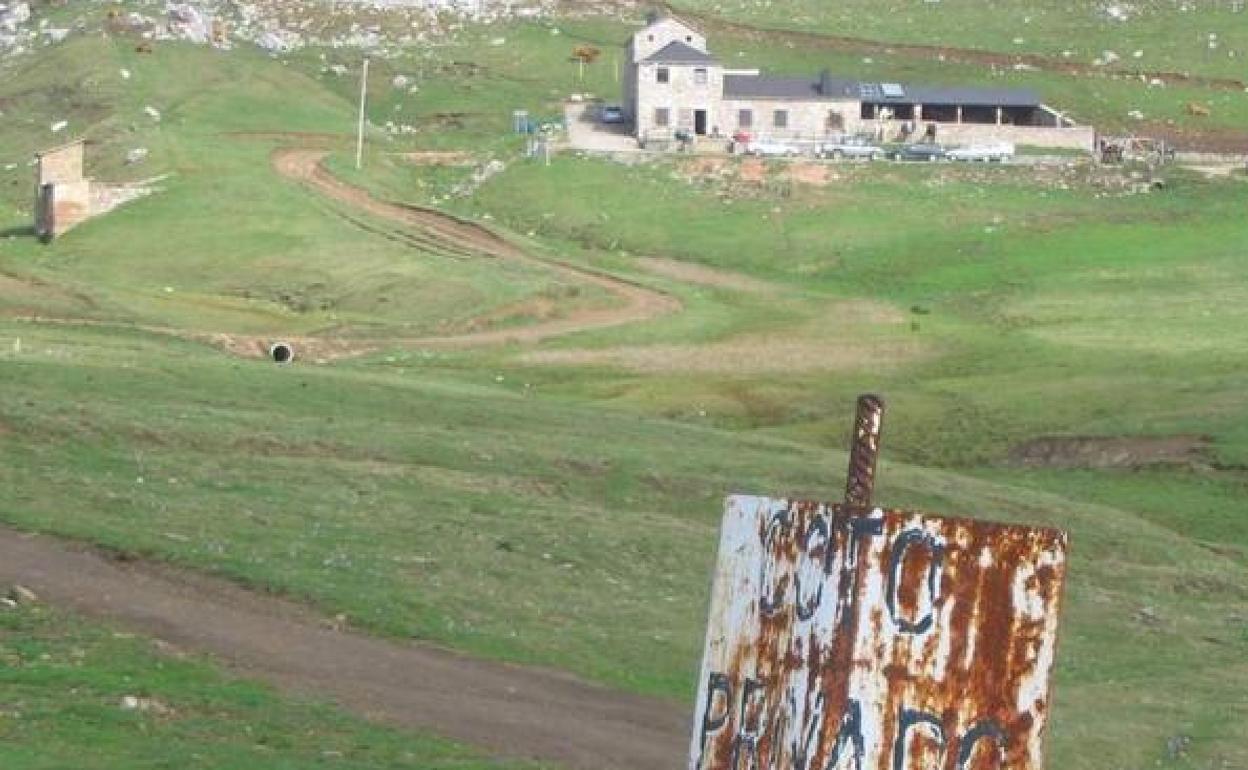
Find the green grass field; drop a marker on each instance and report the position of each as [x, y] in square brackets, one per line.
[1170, 37]
[558, 504]
[65, 686]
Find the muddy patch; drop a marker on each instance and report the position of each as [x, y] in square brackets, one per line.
[437, 158]
[689, 272]
[1102, 452]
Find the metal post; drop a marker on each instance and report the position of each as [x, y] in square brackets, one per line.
[864, 451]
[359, 136]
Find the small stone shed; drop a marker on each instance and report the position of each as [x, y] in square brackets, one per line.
[62, 193]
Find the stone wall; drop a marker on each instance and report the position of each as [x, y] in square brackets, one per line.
[654, 38]
[682, 95]
[62, 164]
[61, 206]
[806, 119]
[954, 134]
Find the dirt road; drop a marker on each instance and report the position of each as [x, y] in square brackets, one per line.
[636, 302]
[505, 710]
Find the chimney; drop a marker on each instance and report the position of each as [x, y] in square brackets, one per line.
[825, 83]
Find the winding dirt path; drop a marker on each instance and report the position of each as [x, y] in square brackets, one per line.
[509, 711]
[636, 302]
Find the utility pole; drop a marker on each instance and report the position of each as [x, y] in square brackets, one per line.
[359, 136]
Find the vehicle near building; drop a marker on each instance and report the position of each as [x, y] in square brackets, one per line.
[986, 153]
[771, 148]
[921, 152]
[612, 114]
[850, 147]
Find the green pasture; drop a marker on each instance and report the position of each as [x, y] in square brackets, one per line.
[557, 503]
[64, 685]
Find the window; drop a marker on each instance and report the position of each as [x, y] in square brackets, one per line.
[688, 38]
[780, 119]
[662, 117]
[663, 75]
[745, 118]
[699, 76]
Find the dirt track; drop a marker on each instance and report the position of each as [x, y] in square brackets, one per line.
[636, 302]
[505, 710]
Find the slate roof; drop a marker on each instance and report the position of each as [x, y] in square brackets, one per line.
[677, 52]
[971, 97]
[764, 87]
[828, 88]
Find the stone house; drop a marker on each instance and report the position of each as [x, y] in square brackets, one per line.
[674, 86]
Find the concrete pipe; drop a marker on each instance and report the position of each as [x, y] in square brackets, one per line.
[281, 352]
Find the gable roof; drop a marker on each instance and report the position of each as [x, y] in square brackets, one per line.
[763, 87]
[677, 52]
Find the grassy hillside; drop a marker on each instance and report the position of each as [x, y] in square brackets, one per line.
[558, 503]
[1170, 37]
[66, 683]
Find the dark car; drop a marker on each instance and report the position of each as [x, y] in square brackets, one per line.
[927, 152]
[612, 114]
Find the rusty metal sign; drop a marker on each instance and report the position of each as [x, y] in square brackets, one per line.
[842, 637]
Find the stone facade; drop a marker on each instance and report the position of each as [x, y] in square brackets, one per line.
[673, 88]
[65, 198]
[62, 193]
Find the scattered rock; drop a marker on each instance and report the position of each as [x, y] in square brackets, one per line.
[152, 113]
[125, 73]
[145, 705]
[137, 155]
[400, 81]
[1176, 746]
[59, 126]
[23, 595]
[7, 604]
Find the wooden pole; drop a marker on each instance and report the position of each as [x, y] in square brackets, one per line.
[359, 135]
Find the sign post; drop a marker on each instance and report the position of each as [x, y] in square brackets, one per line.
[842, 636]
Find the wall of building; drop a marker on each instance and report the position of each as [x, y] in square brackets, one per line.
[654, 38]
[954, 134]
[63, 164]
[681, 96]
[806, 119]
[61, 206]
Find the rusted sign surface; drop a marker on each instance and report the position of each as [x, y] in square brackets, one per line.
[886, 640]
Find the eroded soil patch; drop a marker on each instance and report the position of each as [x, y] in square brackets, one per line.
[1099, 452]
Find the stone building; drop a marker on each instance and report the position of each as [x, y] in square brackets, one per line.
[65, 198]
[62, 193]
[674, 86]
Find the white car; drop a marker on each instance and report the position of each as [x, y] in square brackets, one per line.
[850, 147]
[771, 149]
[995, 152]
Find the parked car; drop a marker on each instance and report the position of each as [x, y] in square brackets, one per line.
[763, 147]
[928, 152]
[850, 147]
[988, 153]
[612, 114]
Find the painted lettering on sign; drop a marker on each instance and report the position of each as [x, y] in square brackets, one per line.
[881, 641]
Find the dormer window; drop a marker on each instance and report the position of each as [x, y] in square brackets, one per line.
[688, 38]
[663, 75]
[699, 76]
